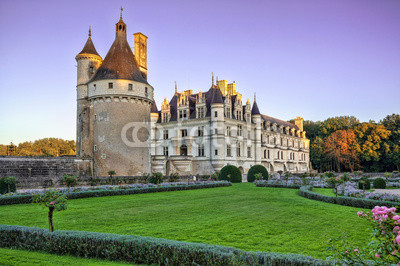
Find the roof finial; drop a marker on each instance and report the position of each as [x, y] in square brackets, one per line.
[121, 12]
[176, 88]
[254, 97]
[212, 74]
[90, 31]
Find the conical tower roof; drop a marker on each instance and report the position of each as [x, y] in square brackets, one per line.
[120, 63]
[154, 108]
[89, 46]
[255, 110]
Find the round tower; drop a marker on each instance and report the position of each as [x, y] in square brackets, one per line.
[121, 100]
[88, 61]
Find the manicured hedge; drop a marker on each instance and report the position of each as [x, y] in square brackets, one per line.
[277, 185]
[379, 183]
[138, 249]
[233, 171]
[22, 199]
[346, 201]
[256, 169]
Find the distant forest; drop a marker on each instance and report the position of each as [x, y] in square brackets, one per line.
[338, 144]
[47, 147]
[344, 144]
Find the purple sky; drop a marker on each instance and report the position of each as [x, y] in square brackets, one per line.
[316, 59]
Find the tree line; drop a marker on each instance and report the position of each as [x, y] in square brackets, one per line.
[47, 147]
[344, 143]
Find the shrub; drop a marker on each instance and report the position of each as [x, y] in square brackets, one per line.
[329, 174]
[256, 169]
[70, 180]
[364, 183]
[94, 181]
[174, 177]
[230, 173]
[345, 177]
[379, 183]
[47, 183]
[156, 178]
[8, 184]
[140, 249]
[214, 176]
[145, 178]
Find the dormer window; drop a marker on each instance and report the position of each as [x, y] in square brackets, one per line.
[110, 85]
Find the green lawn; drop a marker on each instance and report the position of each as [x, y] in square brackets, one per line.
[242, 216]
[324, 191]
[22, 257]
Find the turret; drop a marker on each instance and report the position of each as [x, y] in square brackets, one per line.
[88, 61]
[256, 117]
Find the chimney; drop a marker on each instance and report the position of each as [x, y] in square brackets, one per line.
[141, 52]
[299, 123]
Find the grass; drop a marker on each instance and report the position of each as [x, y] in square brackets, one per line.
[23, 257]
[324, 191]
[242, 216]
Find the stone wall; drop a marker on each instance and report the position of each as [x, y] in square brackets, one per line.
[31, 172]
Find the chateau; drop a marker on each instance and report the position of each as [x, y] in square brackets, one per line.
[120, 127]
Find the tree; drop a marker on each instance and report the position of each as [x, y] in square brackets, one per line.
[70, 180]
[341, 147]
[392, 148]
[333, 124]
[54, 200]
[317, 154]
[371, 138]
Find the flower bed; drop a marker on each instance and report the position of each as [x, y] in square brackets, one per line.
[350, 189]
[85, 192]
[139, 249]
[293, 182]
[306, 191]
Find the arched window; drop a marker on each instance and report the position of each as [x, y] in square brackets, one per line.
[183, 150]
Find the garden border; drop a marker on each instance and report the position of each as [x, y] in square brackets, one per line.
[306, 192]
[294, 186]
[23, 199]
[139, 249]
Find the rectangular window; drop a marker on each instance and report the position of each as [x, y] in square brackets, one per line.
[228, 150]
[200, 151]
[238, 150]
[165, 134]
[228, 131]
[165, 151]
[91, 70]
[130, 87]
[94, 86]
[184, 133]
[95, 147]
[200, 112]
[268, 154]
[216, 131]
[239, 130]
[110, 85]
[216, 114]
[249, 152]
[200, 131]
[216, 152]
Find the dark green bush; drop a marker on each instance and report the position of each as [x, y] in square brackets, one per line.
[330, 174]
[156, 178]
[230, 173]
[278, 185]
[256, 169]
[379, 183]
[345, 201]
[140, 249]
[4, 184]
[364, 183]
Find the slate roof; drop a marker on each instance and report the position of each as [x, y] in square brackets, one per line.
[89, 48]
[255, 110]
[120, 63]
[154, 108]
[278, 121]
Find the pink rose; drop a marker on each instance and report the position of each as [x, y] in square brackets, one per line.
[394, 252]
[377, 255]
[396, 217]
[52, 203]
[398, 239]
[355, 250]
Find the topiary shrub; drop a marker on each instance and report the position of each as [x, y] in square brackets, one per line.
[7, 184]
[364, 183]
[156, 178]
[230, 173]
[379, 183]
[255, 169]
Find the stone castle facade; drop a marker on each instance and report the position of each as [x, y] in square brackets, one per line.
[120, 127]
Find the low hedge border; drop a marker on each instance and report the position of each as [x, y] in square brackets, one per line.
[277, 185]
[23, 199]
[138, 249]
[306, 191]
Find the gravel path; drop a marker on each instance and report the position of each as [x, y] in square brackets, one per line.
[390, 191]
